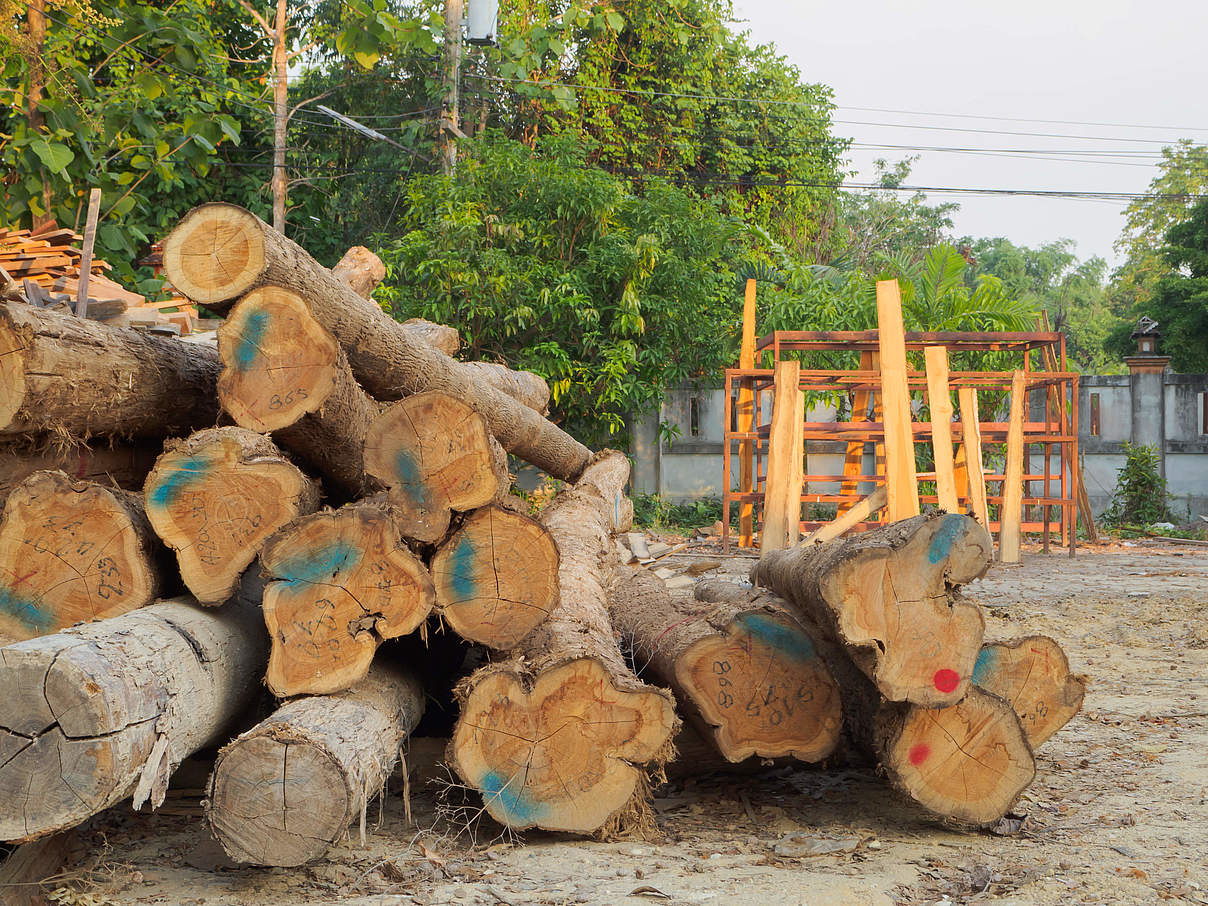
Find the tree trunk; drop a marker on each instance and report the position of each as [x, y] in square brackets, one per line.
[280, 182]
[438, 336]
[748, 669]
[361, 269]
[966, 762]
[216, 497]
[434, 455]
[123, 467]
[72, 551]
[282, 372]
[889, 597]
[219, 252]
[347, 581]
[496, 577]
[285, 790]
[64, 375]
[1033, 674]
[560, 735]
[522, 386]
[91, 715]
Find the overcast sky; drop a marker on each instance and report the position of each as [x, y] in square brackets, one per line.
[1126, 63]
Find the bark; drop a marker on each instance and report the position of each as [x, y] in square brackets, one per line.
[124, 466]
[748, 670]
[1033, 674]
[523, 386]
[361, 269]
[496, 577]
[345, 582]
[438, 336]
[287, 789]
[70, 552]
[216, 497]
[890, 597]
[561, 734]
[219, 252]
[76, 378]
[92, 715]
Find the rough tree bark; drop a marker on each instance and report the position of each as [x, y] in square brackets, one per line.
[219, 252]
[1033, 674]
[75, 378]
[123, 466]
[216, 497]
[361, 269]
[561, 734]
[287, 789]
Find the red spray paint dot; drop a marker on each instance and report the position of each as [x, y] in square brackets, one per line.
[946, 680]
[919, 752]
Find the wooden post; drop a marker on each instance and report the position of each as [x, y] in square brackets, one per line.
[1011, 512]
[971, 433]
[960, 472]
[746, 420]
[782, 492]
[855, 514]
[853, 462]
[449, 79]
[941, 426]
[895, 394]
[94, 207]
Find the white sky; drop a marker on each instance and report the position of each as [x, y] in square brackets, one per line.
[1121, 62]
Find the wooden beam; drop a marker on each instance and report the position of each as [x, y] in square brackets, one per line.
[940, 399]
[960, 473]
[856, 514]
[895, 395]
[1011, 515]
[971, 434]
[746, 419]
[94, 208]
[780, 519]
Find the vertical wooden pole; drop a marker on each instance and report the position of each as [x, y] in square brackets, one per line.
[853, 462]
[280, 115]
[940, 399]
[971, 437]
[901, 478]
[1011, 514]
[94, 207]
[784, 442]
[960, 474]
[797, 487]
[746, 418]
[450, 80]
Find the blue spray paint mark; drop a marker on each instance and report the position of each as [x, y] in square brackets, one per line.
[189, 471]
[986, 660]
[321, 565]
[462, 562]
[517, 806]
[788, 641]
[951, 528]
[24, 611]
[248, 347]
[409, 478]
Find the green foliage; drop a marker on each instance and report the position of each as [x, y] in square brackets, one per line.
[651, 511]
[1140, 497]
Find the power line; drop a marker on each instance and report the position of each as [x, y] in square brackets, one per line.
[1021, 119]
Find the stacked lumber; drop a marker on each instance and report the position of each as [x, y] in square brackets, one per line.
[327, 493]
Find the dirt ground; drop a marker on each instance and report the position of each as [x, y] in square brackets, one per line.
[1118, 814]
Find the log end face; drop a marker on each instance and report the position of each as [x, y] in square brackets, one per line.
[215, 253]
[1033, 674]
[12, 368]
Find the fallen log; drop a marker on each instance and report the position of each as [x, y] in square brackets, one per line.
[522, 386]
[496, 577]
[361, 269]
[889, 597]
[284, 791]
[967, 762]
[218, 252]
[438, 336]
[345, 582]
[70, 552]
[1033, 674]
[283, 373]
[94, 714]
[747, 668]
[76, 378]
[433, 454]
[561, 735]
[216, 497]
[122, 466]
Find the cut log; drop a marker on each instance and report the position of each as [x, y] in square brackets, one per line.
[496, 577]
[31, 865]
[1033, 674]
[434, 455]
[282, 372]
[91, 715]
[72, 377]
[748, 669]
[438, 336]
[560, 735]
[889, 596]
[287, 789]
[70, 552]
[522, 386]
[346, 582]
[216, 497]
[218, 252]
[361, 269]
[123, 466]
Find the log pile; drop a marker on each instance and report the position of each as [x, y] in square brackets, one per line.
[194, 538]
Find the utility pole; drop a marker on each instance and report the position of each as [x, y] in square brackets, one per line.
[36, 32]
[448, 128]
